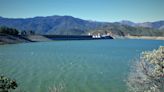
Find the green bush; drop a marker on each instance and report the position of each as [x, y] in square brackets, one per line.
[9, 31]
[7, 84]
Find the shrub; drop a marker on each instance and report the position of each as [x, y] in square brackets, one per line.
[148, 73]
[6, 84]
[9, 31]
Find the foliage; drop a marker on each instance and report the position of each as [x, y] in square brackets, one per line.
[6, 84]
[9, 31]
[148, 74]
[122, 30]
[30, 32]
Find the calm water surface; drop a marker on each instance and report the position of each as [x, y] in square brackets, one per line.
[78, 66]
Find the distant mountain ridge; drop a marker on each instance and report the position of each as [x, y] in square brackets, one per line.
[68, 25]
[156, 25]
[129, 23]
[50, 24]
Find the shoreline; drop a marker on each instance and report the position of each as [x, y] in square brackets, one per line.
[8, 39]
[13, 39]
[146, 37]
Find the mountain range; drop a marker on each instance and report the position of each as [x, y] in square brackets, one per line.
[68, 25]
[156, 25]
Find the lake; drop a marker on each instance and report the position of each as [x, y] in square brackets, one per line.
[77, 66]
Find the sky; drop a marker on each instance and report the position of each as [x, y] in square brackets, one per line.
[96, 10]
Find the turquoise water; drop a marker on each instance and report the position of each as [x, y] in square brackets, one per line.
[79, 66]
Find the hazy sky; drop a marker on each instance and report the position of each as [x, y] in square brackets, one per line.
[99, 10]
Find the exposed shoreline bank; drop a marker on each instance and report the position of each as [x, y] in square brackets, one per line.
[146, 37]
[8, 39]
[13, 39]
